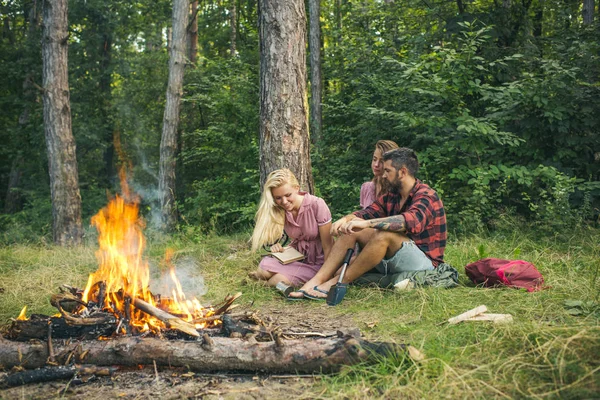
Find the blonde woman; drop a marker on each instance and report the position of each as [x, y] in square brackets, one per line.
[305, 218]
[378, 186]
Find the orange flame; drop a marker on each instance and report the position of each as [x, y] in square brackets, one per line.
[123, 271]
[22, 315]
[178, 304]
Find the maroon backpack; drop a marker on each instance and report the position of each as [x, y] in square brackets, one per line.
[513, 273]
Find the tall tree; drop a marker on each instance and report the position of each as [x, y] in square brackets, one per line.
[284, 140]
[233, 23]
[62, 162]
[169, 139]
[30, 96]
[316, 85]
[193, 33]
[588, 12]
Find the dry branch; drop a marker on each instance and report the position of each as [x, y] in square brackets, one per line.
[227, 303]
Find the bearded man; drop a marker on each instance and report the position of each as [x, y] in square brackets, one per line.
[403, 230]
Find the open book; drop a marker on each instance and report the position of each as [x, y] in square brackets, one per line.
[288, 255]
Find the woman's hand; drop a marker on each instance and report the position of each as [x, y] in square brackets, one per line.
[337, 225]
[277, 248]
[353, 226]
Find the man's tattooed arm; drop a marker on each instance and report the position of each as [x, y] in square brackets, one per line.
[395, 223]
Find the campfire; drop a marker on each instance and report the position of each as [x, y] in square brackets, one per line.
[118, 294]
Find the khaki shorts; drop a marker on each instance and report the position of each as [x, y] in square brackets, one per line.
[408, 258]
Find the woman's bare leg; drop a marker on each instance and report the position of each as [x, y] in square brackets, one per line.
[260, 275]
[275, 279]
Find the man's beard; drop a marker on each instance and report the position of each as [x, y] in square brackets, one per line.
[396, 186]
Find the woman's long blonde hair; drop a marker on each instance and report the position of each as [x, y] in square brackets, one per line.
[382, 186]
[270, 217]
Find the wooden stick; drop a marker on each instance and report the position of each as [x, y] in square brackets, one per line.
[228, 301]
[467, 315]
[51, 359]
[170, 321]
[495, 318]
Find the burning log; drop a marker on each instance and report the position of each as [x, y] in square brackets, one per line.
[48, 374]
[283, 356]
[170, 321]
[38, 326]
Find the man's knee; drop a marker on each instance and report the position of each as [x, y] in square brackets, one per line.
[390, 238]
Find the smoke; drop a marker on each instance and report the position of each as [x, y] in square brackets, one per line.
[188, 273]
[149, 191]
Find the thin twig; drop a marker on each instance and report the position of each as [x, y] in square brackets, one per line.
[51, 358]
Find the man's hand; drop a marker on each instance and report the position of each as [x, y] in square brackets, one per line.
[277, 248]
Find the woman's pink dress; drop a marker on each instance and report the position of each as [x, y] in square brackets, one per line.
[304, 232]
[367, 194]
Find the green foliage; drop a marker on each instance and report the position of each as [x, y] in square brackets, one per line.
[501, 101]
[220, 147]
[495, 132]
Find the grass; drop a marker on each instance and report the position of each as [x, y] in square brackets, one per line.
[546, 353]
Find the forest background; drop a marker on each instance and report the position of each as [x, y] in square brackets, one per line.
[501, 100]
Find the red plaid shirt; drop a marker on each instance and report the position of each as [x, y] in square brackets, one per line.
[424, 214]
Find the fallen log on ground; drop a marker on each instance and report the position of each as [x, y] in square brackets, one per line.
[49, 374]
[207, 354]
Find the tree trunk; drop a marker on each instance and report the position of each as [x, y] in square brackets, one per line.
[13, 199]
[153, 38]
[12, 202]
[233, 23]
[105, 90]
[62, 161]
[193, 33]
[210, 354]
[284, 139]
[588, 12]
[168, 143]
[538, 19]
[316, 83]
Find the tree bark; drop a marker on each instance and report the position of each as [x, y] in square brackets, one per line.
[538, 19]
[316, 82]
[12, 201]
[193, 33]
[233, 23]
[588, 12]
[105, 90]
[62, 161]
[209, 354]
[49, 374]
[169, 139]
[284, 139]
